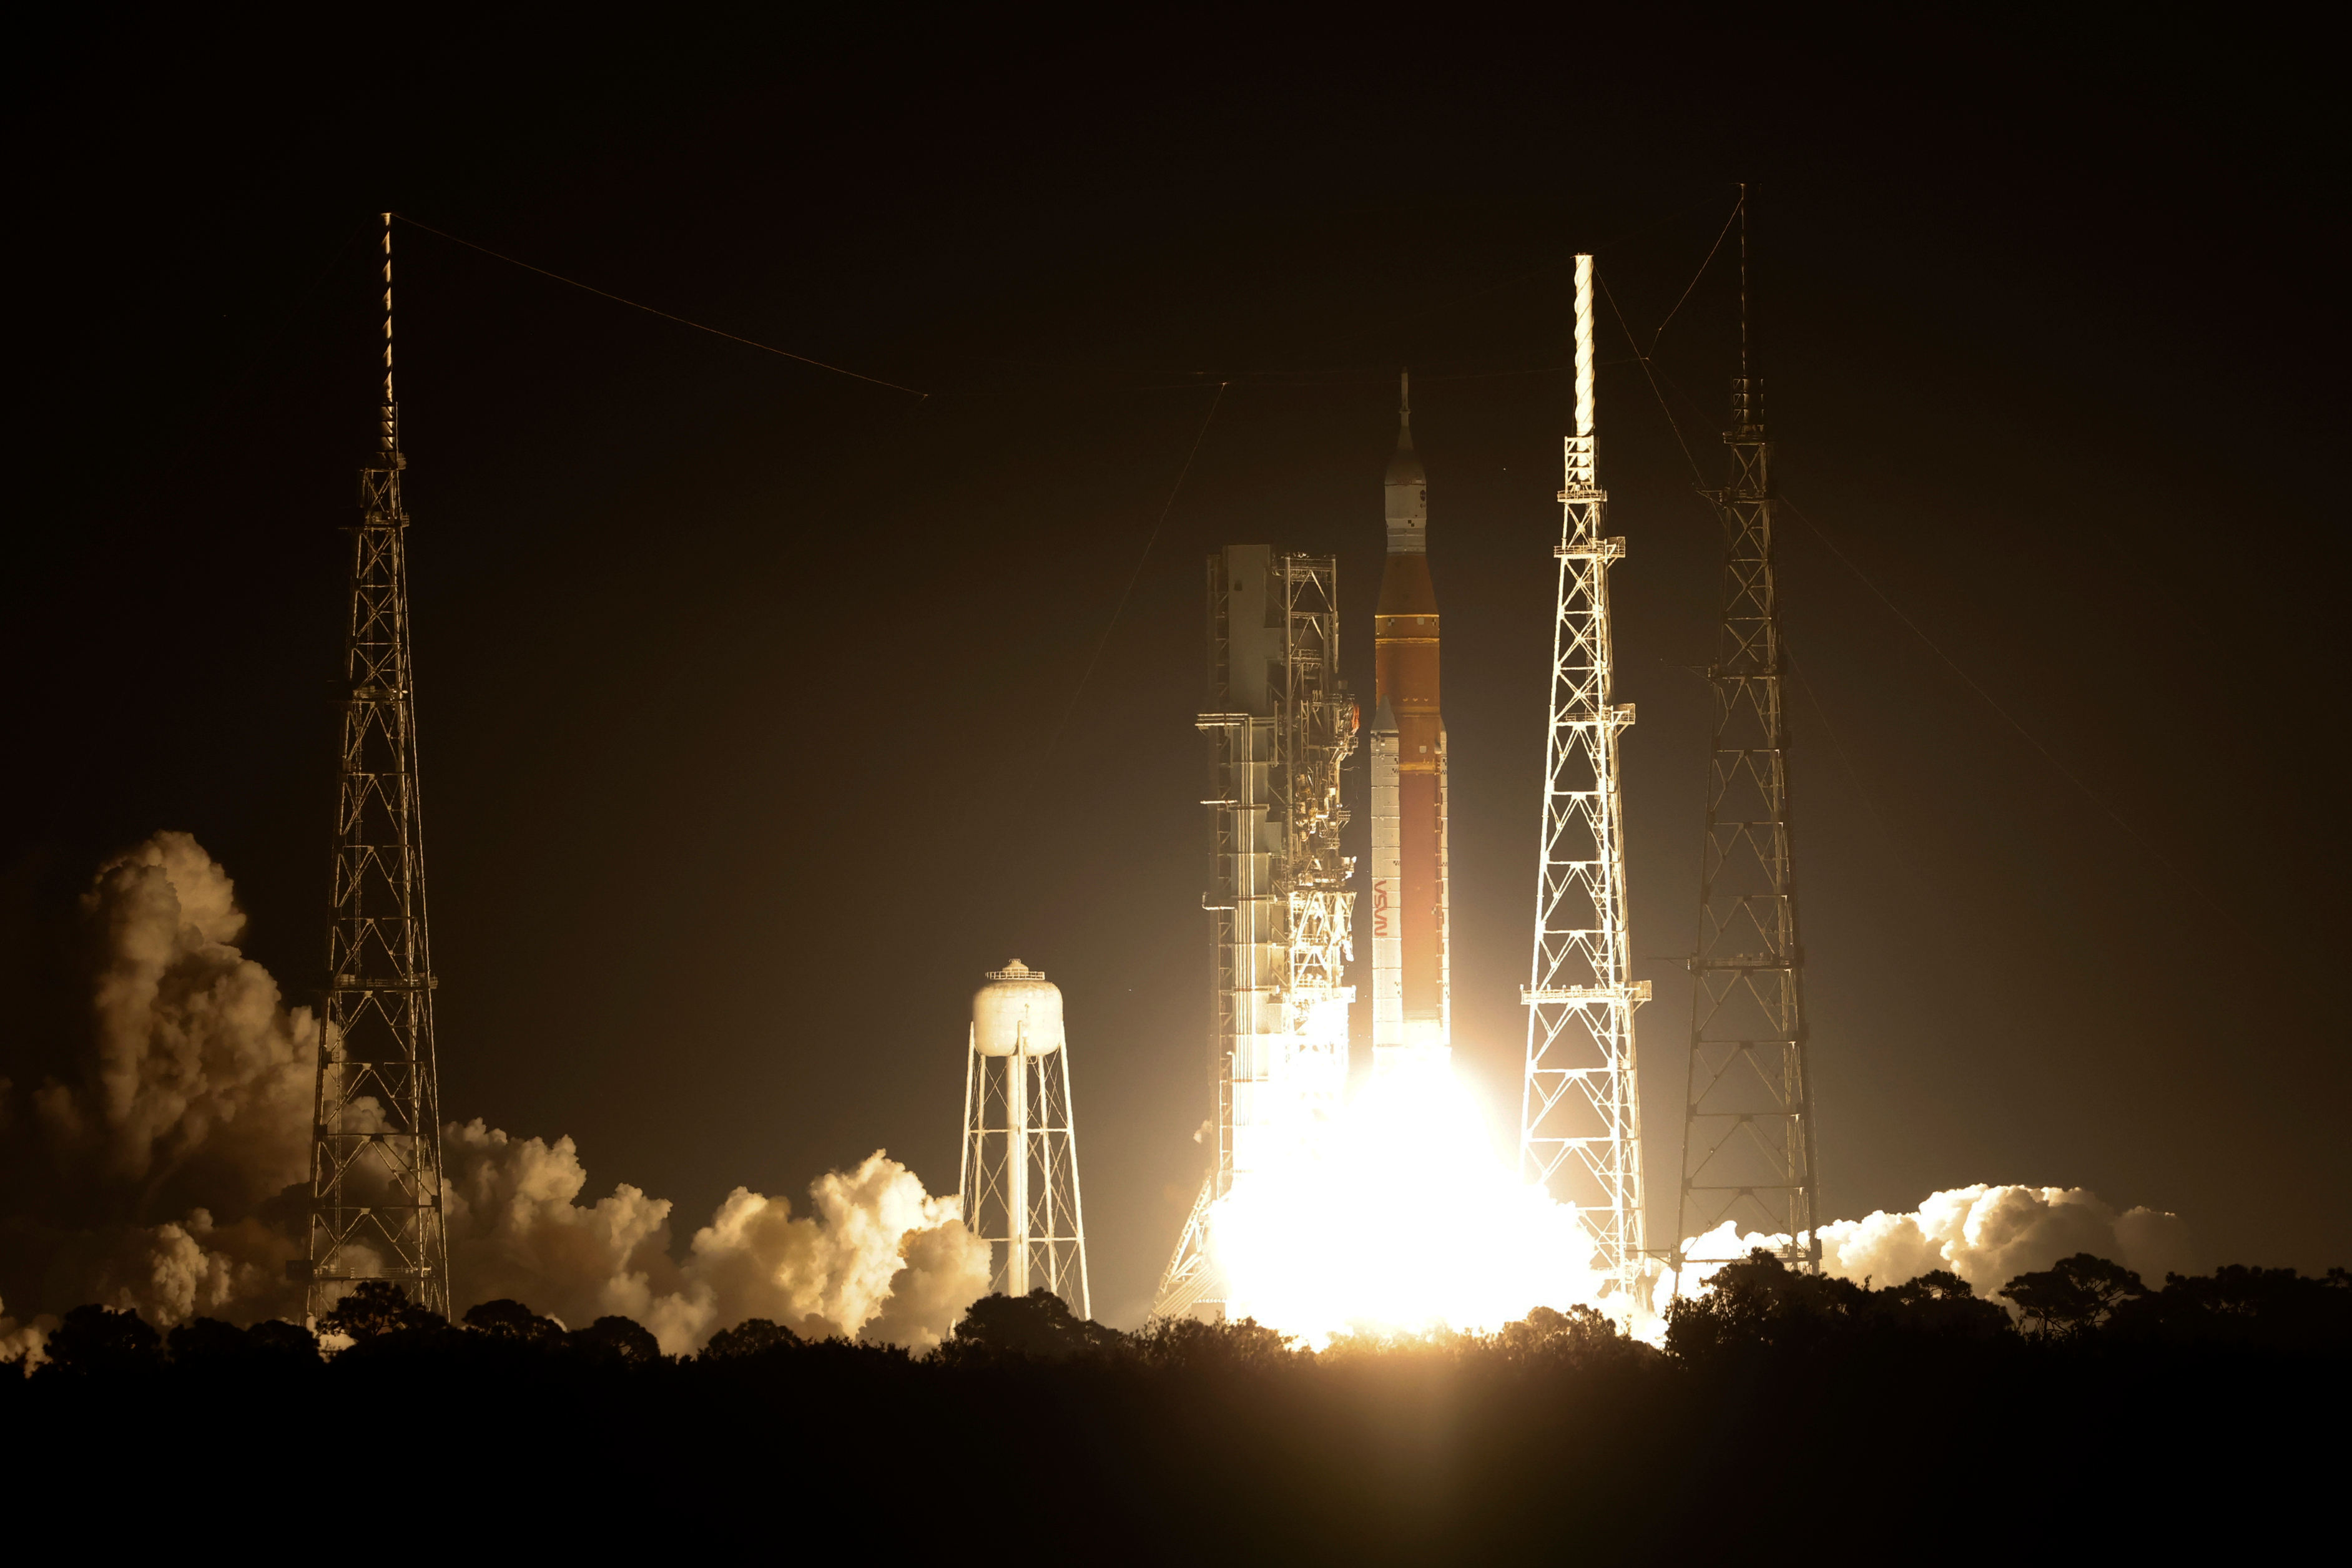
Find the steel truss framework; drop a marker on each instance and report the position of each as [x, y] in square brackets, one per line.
[1281, 931]
[1748, 1115]
[1020, 1159]
[1580, 1125]
[376, 1167]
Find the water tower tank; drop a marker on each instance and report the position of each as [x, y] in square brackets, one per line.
[1018, 1009]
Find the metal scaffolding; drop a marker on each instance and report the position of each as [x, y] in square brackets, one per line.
[1580, 1118]
[1281, 725]
[375, 1168]
[1748, 1117]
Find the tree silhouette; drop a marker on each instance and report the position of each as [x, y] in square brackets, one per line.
[1757, 1305]
[507, 1318]
[622, 1339]
[2272, 1310]
[1939, 1302]
[98, 1339]
[208, 1339]
[276, 1337]
[1038, 1326]
[1190, 1344]
[1579, 1336]
[753, 1336]
[375, 1308]
[2073, 1296]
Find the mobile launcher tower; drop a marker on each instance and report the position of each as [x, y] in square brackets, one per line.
[1020, 1181]
[1280, 726]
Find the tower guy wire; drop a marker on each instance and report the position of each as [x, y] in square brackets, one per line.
[1969, 681]
[1739, 214]
[665, 315]
[375, 1160]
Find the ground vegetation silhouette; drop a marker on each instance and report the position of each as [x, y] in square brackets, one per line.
[1436, 1447]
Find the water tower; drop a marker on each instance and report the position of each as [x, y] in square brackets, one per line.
[1019, 1139]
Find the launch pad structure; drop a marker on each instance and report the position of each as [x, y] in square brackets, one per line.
[1580, 1118]
[1748, 1114]
[1280, 726]
[375, 1159]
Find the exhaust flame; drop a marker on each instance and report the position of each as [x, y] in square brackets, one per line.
[1399, 1216]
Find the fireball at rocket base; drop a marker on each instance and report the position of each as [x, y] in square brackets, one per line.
[1411, 1010]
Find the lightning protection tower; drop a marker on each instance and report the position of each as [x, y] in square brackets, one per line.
[375, 1162]
[1280, 727]
[1748, 1115]
[1580, 1117]
[1020, 1180]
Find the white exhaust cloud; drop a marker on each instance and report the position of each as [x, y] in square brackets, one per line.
[1986, 1235]
[194, 1087]
[879, 1258]
[197, 1069]
[190, 1095]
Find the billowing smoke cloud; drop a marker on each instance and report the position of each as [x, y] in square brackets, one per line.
[189, 1094]
[197, 1070]
[186, 1090]
[1986, 1235]
[879, 1257]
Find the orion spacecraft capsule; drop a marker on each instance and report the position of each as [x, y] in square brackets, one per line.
[1411, 1006]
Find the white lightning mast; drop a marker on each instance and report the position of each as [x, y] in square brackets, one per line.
[1579, 1119]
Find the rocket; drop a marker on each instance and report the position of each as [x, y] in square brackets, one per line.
[1411, 1009]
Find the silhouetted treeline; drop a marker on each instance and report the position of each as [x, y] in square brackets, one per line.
[1813, 1410]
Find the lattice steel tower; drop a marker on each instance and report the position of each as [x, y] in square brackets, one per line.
[375, 1165]
[1281, 728]
[1581, 1113]
[1747, 1117]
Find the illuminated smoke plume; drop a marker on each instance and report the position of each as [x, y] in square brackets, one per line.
[1986, 1235]
[879, 1257]
[189, 1092]
[198, 1072]
[1402, 1216]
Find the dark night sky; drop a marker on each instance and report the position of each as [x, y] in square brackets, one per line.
[742, 684]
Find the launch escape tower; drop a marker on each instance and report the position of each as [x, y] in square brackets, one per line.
[1281, 725]
[1579, 1119]
[375, 1160]
[1020, 1180]
[1747, 1117]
